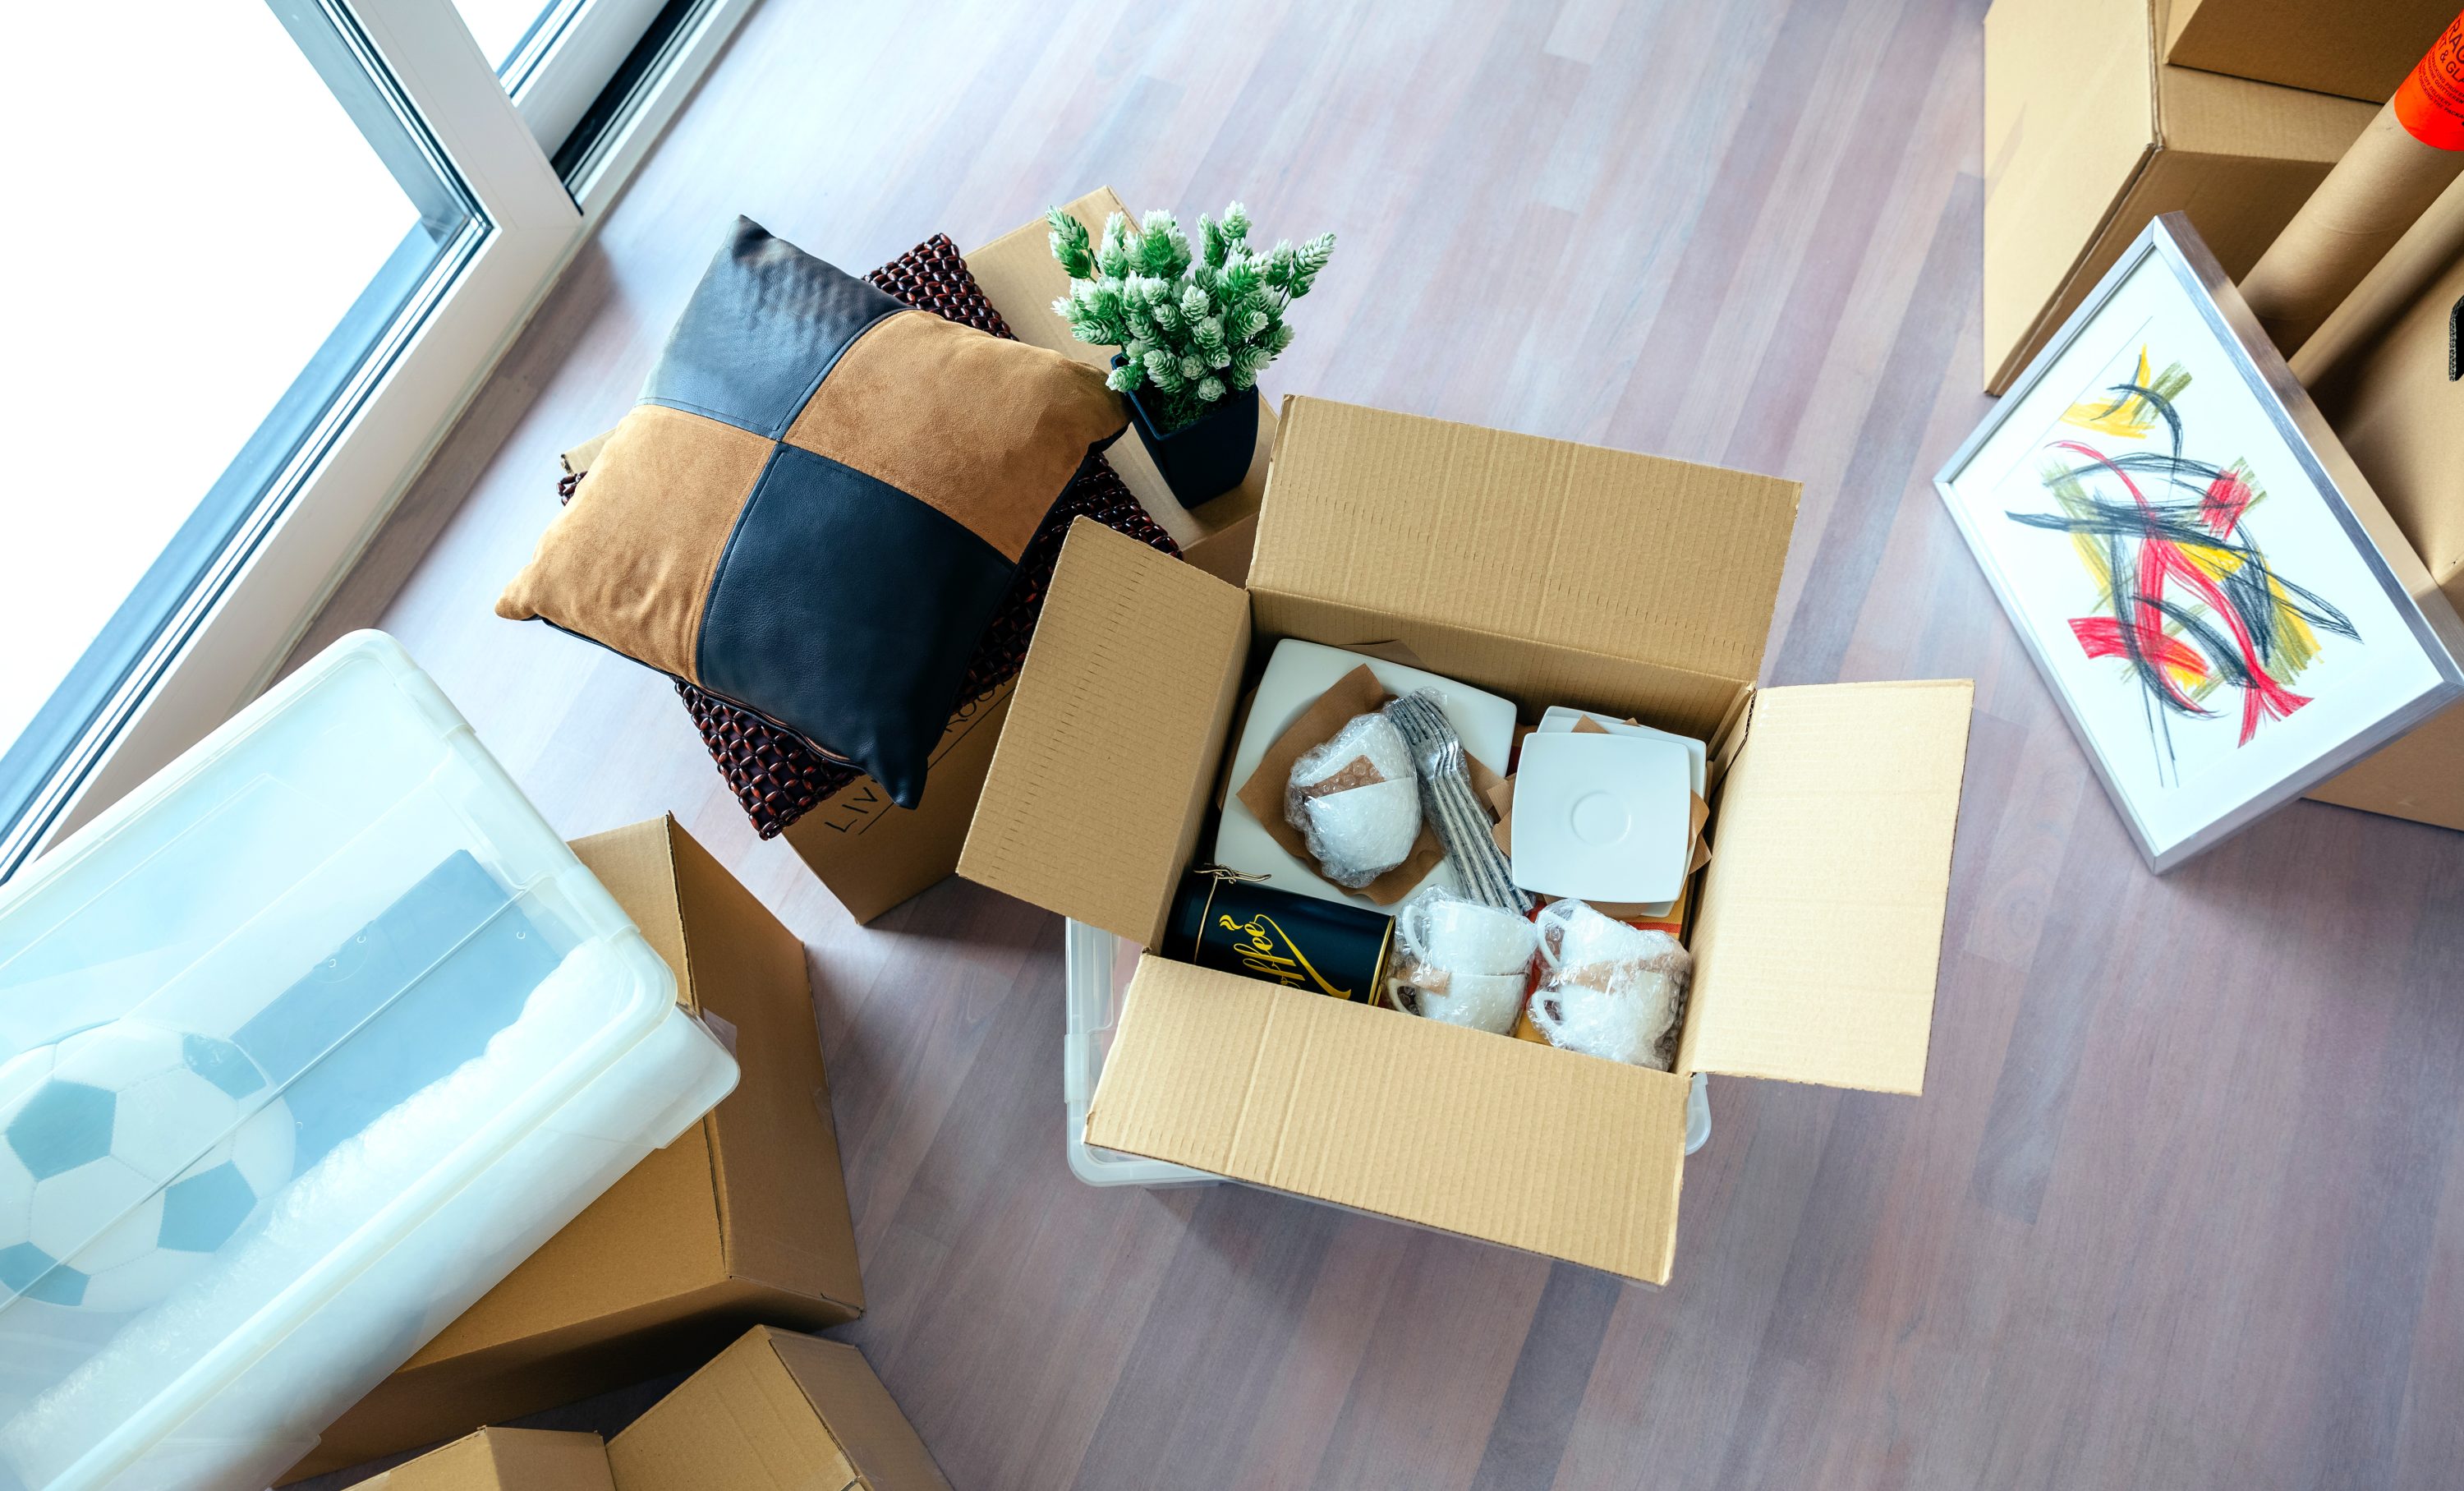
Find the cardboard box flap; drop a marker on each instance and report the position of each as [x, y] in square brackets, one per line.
[1497, 1139]
[1820, 926]
[1576, 545]
[1115, 726]
[742, 1421]
[2058, 156]
[850, 1400]
[2211, 114]
[1017, 274]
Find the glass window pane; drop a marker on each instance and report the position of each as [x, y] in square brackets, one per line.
[225, 238]
[501, 27]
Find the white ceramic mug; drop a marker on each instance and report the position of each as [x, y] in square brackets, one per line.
[1450, 932]
[1572, 935]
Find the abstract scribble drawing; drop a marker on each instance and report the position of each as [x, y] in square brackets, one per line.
[2183, 596]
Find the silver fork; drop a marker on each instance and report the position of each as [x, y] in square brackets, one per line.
[1461, 823]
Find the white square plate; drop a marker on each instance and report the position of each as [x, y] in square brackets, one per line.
[1603, 817]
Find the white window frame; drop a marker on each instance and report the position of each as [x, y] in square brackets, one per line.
[224, 646]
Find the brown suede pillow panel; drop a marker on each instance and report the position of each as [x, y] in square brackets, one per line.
[818, 504]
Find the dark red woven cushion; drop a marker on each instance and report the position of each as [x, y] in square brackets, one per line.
[776, 775]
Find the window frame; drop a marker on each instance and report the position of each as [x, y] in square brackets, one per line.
[264, 586]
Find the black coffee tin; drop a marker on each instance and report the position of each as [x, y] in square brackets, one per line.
[1239, 924]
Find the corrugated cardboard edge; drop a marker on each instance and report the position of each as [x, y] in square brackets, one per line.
[1093, 803]
[1455, 1130]
[1820, 934]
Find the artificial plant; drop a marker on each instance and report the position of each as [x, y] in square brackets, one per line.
[1194, 329]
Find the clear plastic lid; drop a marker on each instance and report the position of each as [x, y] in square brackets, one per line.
[259, 1019]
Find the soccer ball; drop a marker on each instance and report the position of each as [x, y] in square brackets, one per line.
[128, 1154]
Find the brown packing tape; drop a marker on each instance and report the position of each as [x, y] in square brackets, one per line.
[2381, 186]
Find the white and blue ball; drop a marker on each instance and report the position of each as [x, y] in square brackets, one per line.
[129, 1154]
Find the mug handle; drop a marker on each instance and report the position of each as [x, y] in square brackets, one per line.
[1548, 922]
[1410, 926]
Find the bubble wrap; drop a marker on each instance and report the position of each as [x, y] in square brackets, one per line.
[1608, 989]
[1356, 802]
[1459, 961]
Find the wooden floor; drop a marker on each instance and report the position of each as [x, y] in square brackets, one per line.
[2184, 1202]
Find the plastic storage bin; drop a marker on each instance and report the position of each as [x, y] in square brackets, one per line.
[303, 1046]
[1096, 970]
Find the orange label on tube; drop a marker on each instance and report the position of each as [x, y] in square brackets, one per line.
[2431, 103]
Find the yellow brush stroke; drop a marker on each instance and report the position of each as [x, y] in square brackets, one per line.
[2295, 644]
[2128, 418]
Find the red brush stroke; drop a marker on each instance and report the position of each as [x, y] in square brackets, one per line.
[2162, 560]
[2228, 496]
[2103, 636]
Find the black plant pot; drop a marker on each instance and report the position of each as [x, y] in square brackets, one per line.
[1206, 460]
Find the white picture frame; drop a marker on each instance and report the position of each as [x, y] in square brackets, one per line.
[2222, 608]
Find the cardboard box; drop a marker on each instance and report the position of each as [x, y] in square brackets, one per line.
[504, 1459]
[1627, 585]
[744, 1219]
[776, 1411]
[2378, 370]
[2360, 49]
[2087, 138]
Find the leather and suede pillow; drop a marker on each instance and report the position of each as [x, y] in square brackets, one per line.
[818, 503]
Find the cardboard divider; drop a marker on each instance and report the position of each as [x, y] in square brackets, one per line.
[1561, 1154]
[1820, 926]
[1092, 804]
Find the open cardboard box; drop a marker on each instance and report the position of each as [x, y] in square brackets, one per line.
[1551, 573]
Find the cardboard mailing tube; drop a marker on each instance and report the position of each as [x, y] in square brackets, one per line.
[2362, 319]
[2397, 168]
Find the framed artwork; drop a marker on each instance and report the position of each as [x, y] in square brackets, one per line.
[2223, 609]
